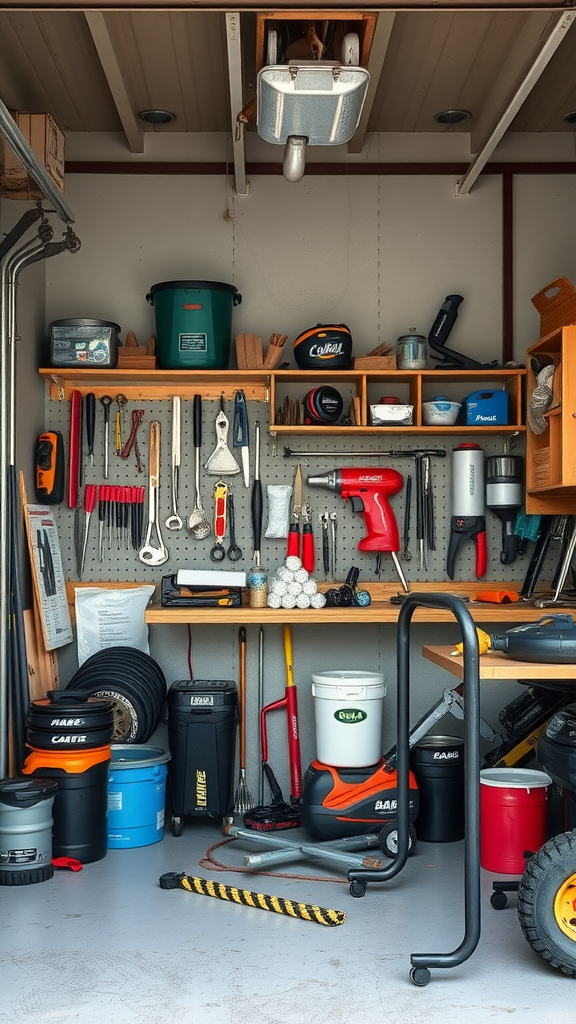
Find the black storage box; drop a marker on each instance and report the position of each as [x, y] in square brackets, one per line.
[202, 718]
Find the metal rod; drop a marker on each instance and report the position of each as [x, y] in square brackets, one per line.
[23, 150]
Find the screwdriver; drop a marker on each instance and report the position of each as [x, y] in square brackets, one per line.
[90, 492]
[106, 402]
[90, 423]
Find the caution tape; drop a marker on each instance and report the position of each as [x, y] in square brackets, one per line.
[246, 898]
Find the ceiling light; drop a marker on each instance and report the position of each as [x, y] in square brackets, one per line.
[452, 116]
[316, 103]
[156, 116]
[570, 117]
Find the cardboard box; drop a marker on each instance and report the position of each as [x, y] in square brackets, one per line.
[47, 141]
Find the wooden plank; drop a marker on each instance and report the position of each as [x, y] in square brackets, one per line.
[495, 665]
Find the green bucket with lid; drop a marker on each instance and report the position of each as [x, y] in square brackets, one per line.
[193, 323]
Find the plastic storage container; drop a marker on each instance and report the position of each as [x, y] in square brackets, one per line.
[202, 717]
[136, 795]
[513, 817]
[193, 323]
[26, 830]
[92, 344]
[348, 713]
[81, 804]
[438, 765]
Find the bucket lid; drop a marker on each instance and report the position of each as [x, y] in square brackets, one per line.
[351, 675]
[137, 755]
[219, 286]
[514, 778]
[26, 792]
[85, 322]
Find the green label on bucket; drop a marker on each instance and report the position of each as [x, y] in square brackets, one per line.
[193, 343]
[350, 716]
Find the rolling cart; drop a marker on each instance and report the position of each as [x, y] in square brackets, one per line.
[422, 962]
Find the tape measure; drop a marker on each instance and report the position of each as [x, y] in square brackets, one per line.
[50, 466]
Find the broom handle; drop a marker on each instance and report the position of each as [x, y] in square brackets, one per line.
[242, 696]
[292, 719]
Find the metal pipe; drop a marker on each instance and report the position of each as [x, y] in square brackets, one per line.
[23, 150]
[6, 430]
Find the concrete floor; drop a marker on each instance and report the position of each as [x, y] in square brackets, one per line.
[107, 944]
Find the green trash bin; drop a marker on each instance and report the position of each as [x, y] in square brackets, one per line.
[193, 323]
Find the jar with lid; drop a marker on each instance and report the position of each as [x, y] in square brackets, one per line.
[411, 351]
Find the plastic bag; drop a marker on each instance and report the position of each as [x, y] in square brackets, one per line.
[278, 510]
[111, 617]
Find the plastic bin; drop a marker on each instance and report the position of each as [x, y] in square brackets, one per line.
[193, 323]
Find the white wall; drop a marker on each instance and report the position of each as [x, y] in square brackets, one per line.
[379, 254]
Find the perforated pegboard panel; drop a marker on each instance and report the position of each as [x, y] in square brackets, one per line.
[121, 563]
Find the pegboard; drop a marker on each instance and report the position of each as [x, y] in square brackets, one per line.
[122, 563]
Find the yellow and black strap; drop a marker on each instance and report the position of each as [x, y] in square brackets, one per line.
[259, 900]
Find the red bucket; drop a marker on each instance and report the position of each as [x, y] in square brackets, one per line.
[513, 817]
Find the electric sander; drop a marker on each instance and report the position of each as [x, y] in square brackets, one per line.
[340, 802]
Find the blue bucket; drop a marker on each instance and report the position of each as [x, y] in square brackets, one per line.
[136, 795]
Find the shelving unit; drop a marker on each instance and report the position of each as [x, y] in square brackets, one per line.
[269, 386]
[551, 456]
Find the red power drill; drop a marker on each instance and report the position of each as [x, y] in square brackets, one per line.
[368, 490]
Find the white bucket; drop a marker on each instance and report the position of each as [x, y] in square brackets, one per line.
[348, 712]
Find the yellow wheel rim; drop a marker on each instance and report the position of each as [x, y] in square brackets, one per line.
[565, 907]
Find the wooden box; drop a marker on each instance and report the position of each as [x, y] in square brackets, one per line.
[47, 141]
[556, 304]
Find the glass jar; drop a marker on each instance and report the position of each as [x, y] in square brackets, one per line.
[257, 587]
[411, 351]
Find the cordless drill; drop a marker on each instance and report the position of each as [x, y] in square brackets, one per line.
[368, 490]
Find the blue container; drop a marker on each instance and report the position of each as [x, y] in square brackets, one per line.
[486, 408]
[136, 795]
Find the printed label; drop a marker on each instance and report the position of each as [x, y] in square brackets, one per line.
[350, 716]
[193, 343]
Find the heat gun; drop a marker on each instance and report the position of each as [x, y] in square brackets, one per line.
[368, 490]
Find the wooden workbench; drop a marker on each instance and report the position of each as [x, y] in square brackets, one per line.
[495, 665]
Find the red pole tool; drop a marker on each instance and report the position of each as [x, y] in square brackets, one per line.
[90, 494]
[290, 702]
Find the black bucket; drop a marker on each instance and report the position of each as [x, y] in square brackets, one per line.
[438, 764]
[80, 809]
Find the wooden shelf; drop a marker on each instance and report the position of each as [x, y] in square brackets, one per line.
[498, 666]
[263, 385]
[379, 611]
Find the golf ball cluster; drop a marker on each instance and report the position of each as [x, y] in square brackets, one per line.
[291, 586]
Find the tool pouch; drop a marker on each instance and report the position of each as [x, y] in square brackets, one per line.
[174, 595]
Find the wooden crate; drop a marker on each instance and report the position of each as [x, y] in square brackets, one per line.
[556, 304]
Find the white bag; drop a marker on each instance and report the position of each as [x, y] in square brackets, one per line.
[111, 617]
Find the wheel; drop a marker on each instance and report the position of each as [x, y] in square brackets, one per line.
[389, 839]
[420, 976]
[498, 900]
[357, 889]
[351, 49]
[547, 902]
[176, 824]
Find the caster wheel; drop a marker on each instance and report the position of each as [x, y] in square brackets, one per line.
[176, 824]
[420, 976]
[389, 839]
[498, 900]
[357, 889]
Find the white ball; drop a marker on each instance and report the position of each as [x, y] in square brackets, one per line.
[293, 563]
[317, 600]
[302, 601]
[279, 587]
[274, 601]
[310, 587]
[294, 588]
[288, 601]
[301, 575]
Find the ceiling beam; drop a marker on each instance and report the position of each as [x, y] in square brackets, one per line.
[96, 21]
[541, 56]
[233, 46]
[376, 60]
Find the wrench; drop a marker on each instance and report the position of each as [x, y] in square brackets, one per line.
[174, 521]
[148, 553]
